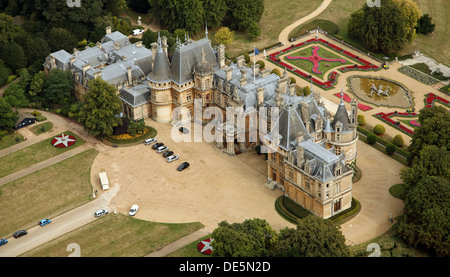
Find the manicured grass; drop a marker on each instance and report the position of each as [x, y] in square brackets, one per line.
[398, 191]
[42, 128]
[10, 140]
[116, 236]
[46, 193]
[33, 154]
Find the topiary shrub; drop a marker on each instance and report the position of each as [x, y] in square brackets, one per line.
[246, 57]
[293, 81]
[371, 139]
[379, 129]
[390, 149]
[361, 120]
[262, 64]
[398, 140]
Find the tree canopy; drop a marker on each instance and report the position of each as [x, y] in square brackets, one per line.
[313, 237]
[387, 28]
[101, 107]
[8, 117]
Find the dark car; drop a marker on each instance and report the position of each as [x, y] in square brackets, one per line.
[183, 130]
[20, 233]
[167, 154]
[3, 241]
[156, 145]
[183, 166]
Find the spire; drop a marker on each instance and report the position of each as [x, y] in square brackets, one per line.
[203, 56]
[206, 29]
[342, 96]
[311, 88]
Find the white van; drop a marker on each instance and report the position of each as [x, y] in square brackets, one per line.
[104, 180]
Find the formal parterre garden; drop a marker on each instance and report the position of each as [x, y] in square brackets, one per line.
[408, 121]
[316, 59]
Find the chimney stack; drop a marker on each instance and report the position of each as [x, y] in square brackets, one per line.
[228, 72]
[108, 30]
[260, 94]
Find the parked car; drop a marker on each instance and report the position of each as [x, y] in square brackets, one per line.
[20, 233]
[137, 32]
[156, 145]
[44, 222]
[183, 166]
[167, 154]
[150, 141]
[162, 149]
[172, 158]
[133, 210]
[3, 241]
[100, 213]
[183, 130]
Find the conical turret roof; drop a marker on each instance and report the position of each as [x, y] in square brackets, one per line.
[161, 67]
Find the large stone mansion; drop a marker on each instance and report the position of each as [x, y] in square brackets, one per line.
[311, 152]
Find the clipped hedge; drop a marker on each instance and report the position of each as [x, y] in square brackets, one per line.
[379, 129]
[149, 132]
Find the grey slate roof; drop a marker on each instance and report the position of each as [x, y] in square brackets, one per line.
[186, 56]
[135, 96]
[341, 116]
[161, 67]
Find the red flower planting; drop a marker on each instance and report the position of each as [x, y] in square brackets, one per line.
[63, 141]
[205, 246]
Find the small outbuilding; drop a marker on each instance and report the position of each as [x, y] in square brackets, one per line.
[25, 119]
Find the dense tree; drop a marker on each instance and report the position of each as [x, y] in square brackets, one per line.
[58, 87]
[386, 28]
[215, 11]
[431, 161]
[13, 55]
[99, 113]
[8, 30]
[434, 130]
[176, 14]
[61, 38]
[314, 237]
[424, 25]
[37, 84]
[252, 238]
[224, 36]
[140, 6]
[4, 73]
[242, 13]
[8, 117]
[412, 13]
[425, 223]
[254, 30]
[15, 95]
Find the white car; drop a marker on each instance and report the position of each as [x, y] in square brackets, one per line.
[133, 210]
[150, 141]
[172, 158]
[100, 212]
[162, 149]
[137, 32]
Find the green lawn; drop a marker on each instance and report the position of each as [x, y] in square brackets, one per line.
[10, 140]
[42, 128]
[46, 193]
[307, 66]
[33, 154]
[116, 236]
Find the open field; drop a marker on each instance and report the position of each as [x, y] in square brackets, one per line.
[10, 140]
[46, 193]
[33, 154]
[116, 236]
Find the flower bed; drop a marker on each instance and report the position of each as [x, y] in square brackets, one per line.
[386, 118]
[431, 98]
[63, 141]
[127, 138]
[205, 247]
[348, 99]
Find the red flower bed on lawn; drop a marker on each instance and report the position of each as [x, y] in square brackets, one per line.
[205, 247]
[63, 141]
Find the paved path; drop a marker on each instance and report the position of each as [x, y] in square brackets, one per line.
[41, 165]
[166, 250]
